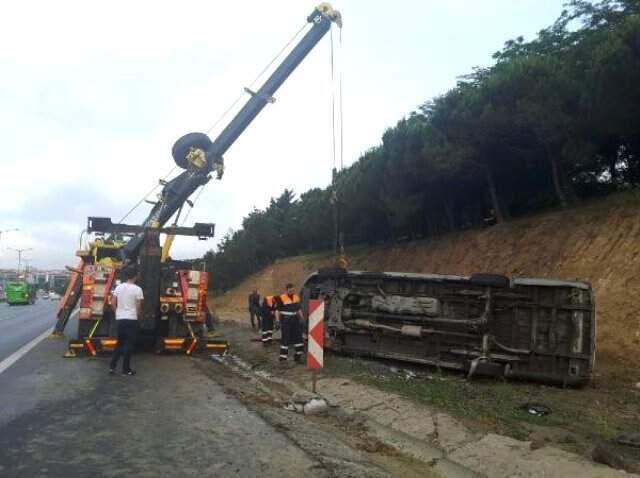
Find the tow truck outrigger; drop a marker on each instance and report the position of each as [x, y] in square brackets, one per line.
[175, 308]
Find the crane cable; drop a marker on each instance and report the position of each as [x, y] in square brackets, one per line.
[244, 92]
[340, 110]
[240, 96]
[333, 101]
[225, 113]
[340, 103]
[168, 242]
[193, 205]
[147, 195]
[335, 199]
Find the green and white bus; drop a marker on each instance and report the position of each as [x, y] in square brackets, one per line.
[20, 292]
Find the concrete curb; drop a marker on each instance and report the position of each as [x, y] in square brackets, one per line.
[432, 456]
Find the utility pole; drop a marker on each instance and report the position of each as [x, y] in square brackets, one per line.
[20, 251]
[29, 275]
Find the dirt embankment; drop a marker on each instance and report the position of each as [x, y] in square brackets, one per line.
[599, 242]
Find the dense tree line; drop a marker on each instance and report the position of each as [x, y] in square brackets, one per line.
[553, 121]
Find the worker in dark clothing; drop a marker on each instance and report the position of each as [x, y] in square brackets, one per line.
[254, 309]
[267, 311]
[289, 314]
[491, 219]
[208, 320]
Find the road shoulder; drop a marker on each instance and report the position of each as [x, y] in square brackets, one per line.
[440, 441]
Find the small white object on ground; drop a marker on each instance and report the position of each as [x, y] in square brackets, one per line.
[315, 406]
[307, 403]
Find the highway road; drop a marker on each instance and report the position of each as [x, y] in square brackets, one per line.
[19, 324]
[68, 417]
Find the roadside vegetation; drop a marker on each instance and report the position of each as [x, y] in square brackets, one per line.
[551, 123]
[577, 419]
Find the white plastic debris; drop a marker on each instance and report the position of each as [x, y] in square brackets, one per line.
[307, 403]
[294, 407]
[315, 406]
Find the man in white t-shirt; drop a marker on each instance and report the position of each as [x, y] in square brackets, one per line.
[127, 301]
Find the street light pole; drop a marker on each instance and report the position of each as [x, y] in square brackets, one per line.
[20, 251]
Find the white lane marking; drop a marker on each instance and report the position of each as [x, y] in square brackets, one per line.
[18, 354]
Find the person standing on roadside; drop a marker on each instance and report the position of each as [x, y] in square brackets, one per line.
[254, 309]
[127, 302]
[289, 313]
[268, 310]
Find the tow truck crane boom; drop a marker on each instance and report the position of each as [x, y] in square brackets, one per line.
[199, 156]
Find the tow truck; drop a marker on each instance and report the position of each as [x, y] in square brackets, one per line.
[175, 306]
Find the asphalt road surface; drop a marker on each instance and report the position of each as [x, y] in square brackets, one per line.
[68, 417]
[19, 324]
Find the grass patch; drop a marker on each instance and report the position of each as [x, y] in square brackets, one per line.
[578, 417]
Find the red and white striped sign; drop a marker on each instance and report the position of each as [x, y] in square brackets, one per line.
[315, 347]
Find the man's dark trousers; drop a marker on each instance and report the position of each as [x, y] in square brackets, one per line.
[255, 312]
[291, 335]
[127, 334]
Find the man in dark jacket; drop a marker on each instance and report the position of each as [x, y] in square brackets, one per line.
[254, 309]
[268, 311]
[289, 313]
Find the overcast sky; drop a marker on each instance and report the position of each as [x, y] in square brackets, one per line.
[93, 95]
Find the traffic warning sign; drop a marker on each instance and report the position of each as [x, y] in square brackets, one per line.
[315, 351]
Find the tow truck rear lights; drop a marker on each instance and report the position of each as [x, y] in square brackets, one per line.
[173, 341]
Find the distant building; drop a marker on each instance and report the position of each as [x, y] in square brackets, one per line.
[7, 276]
[44, 279]
[58, 279]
